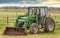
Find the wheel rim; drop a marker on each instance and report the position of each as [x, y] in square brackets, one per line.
[51, 26]
[35, 29]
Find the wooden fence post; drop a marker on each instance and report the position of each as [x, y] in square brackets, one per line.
[7, 21]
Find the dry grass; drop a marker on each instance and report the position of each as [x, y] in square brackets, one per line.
[32, 36]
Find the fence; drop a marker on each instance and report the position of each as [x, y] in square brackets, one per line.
[9, 21]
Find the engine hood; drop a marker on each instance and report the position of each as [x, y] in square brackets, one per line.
[22, 19]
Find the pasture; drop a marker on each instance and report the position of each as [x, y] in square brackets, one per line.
[11, 17]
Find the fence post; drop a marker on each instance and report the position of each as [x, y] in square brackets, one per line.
[7, 20]
[16, 14]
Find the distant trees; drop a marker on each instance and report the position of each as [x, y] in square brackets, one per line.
[12, 9]
[56, 9]
[9, 7]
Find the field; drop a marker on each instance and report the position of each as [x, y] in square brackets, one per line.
[11, 17]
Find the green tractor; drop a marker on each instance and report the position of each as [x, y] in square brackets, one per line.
[36, 18]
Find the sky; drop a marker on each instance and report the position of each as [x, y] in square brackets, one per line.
[21, 1]
[50, 2]
[31, 1]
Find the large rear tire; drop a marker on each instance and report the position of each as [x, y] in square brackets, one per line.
[49, 25]
[34, 28]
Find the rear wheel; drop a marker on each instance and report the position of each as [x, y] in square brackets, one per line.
[49, 25]
[34, 28]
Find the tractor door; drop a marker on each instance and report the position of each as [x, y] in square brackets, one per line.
[42, 15]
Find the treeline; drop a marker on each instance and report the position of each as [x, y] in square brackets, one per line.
[20, 9]
[10, 7]
[54, 9]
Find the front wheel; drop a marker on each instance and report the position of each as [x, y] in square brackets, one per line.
[49, 25]
[34, 28]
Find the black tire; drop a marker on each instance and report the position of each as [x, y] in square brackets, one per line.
[34, 28]
[49, 25]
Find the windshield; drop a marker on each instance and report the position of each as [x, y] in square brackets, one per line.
[32, 11]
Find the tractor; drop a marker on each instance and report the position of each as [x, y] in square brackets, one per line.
[36, 18]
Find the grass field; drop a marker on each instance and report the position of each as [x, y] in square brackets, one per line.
[40, 34]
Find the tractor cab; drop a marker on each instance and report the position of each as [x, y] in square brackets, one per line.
[39, 12]
[42, 11]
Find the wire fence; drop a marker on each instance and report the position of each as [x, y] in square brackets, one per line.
[11, 20]
[7, 21]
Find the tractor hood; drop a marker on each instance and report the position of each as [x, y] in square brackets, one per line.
[25, 18]
[22, 19]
